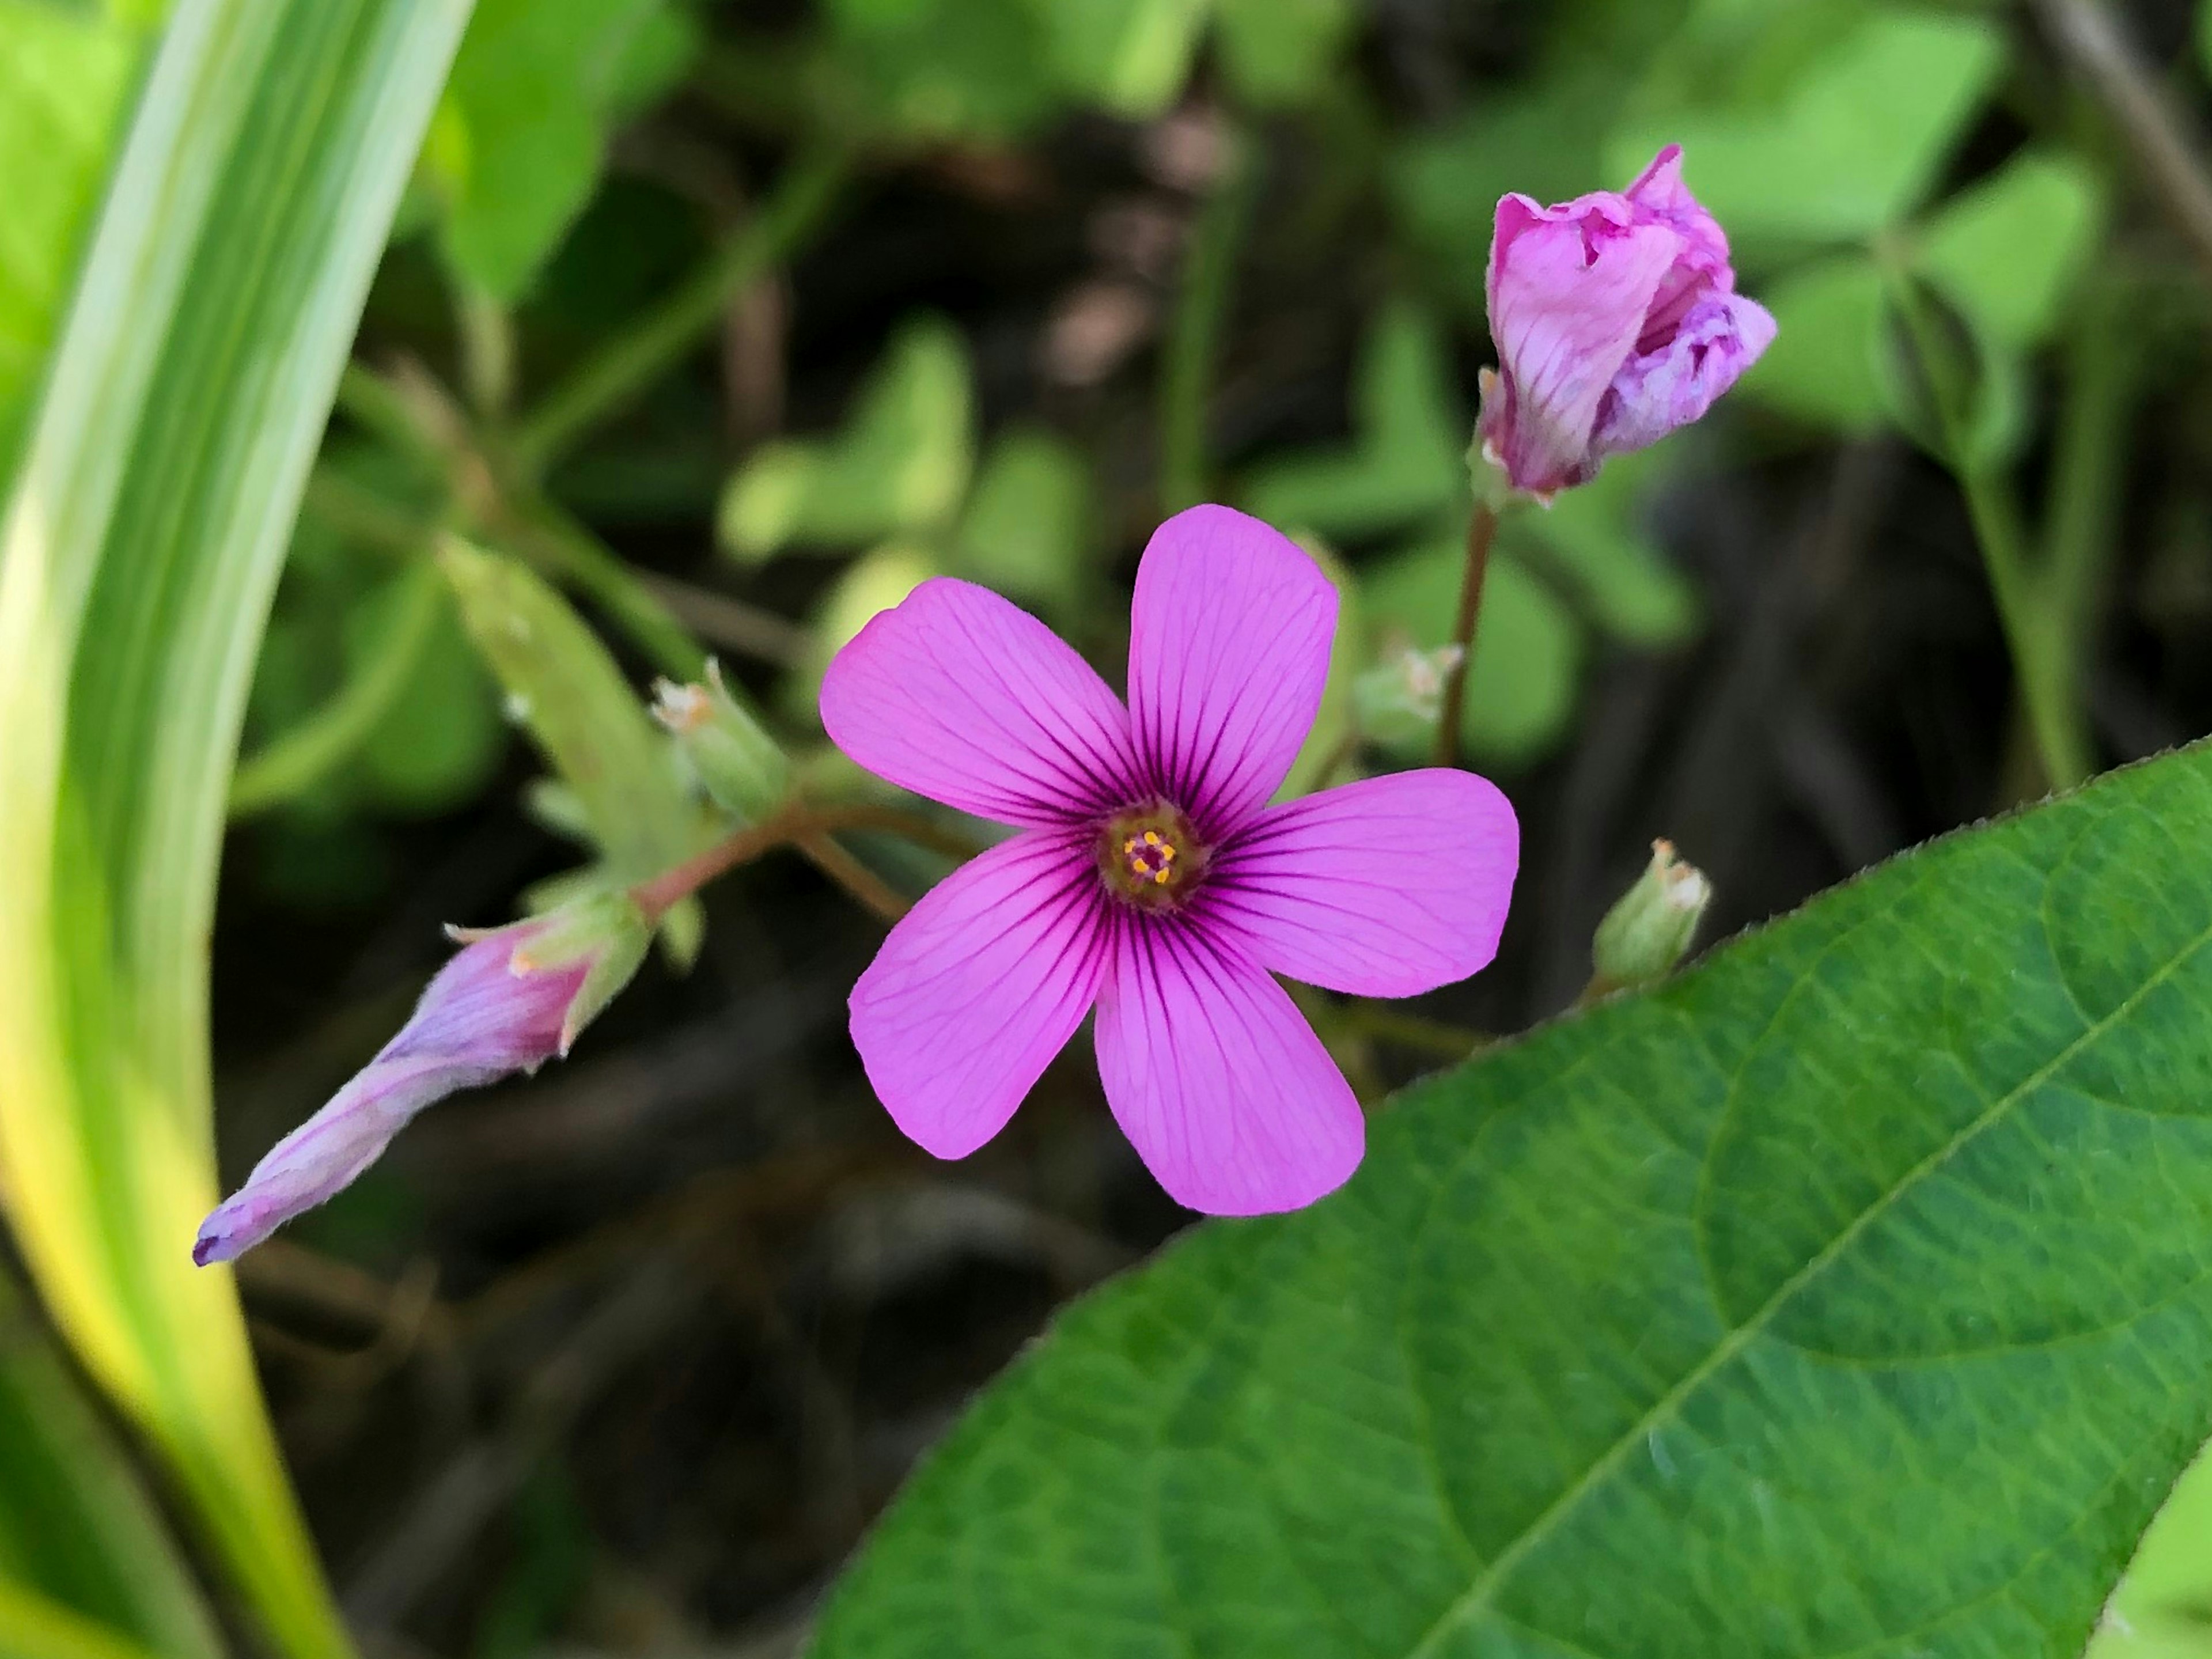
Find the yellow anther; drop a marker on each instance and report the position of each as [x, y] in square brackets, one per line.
[1159, 878]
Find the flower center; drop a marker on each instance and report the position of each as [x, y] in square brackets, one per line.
[1149, 856]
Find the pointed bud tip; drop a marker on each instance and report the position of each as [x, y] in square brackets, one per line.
[1649, 930]
[681, 708]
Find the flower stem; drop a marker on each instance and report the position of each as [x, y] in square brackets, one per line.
[2030, 608]
[826, 853]
[809, 830]
[1195, 331]
[2095, 44]
[608, 381]
[1413, 1031]
[1481, 531]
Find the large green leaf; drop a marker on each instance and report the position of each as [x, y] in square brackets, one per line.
[83, 1557]
[63, 76]
[156, 495]
[1852, 1294]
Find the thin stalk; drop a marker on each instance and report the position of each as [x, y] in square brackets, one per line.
[1481, 531]
[381, 406]
[487, 350]
[1195, 331]
[2093, 40]
[827, 855]
[797, 824]
[1413, 1031]
[2035, 632]
[2088, 457]
[606, 383]
[365, 515]
[294, 762]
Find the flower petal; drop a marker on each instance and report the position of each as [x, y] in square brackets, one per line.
[959, 696]
[1721, 336]
[1385, 888]
[1570, 289]
[979, 986]
[478, 1020]
[1229, 641]
[1216, 1078]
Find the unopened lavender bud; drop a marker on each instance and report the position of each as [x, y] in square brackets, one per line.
[737, 762]
[1649, 930]
[510, 1000]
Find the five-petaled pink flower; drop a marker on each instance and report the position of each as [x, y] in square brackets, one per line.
[1616, 320]
[1149, 876]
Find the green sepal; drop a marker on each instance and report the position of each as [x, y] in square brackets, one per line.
[741, 769]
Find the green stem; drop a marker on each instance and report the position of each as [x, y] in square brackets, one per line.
[303, 757]
[1413, 1031]
[379, 405]
[2088, 457]
[2027, 603]
[487, 350]
[607, 382]
[1481, 531]
[1195, 331]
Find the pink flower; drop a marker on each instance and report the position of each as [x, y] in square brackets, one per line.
[1149, 876]
[1616, 320]
[511, 999]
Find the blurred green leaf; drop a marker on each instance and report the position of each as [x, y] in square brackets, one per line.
[77, 1530]
[2008, 249]
[1027, 527]
[1850, 1294]
[1130, 58]
[1853, 144]
[394, 627]
[1591, 535]
[902, 463]
[1409, 436]
[2160, 1610]
[143, 539]
[1527, 650]
[523, 128]
[976, 70]
[1824, 364]
[564, 688]
[1541, 140]
[62, 76]
[440, 737]
[1281, 51]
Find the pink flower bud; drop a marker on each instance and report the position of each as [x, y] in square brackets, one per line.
[1616, 320]
[512, 999]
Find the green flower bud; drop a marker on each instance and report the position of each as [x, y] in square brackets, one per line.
[1648, 931]
[1402, 695]
[737, 763]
